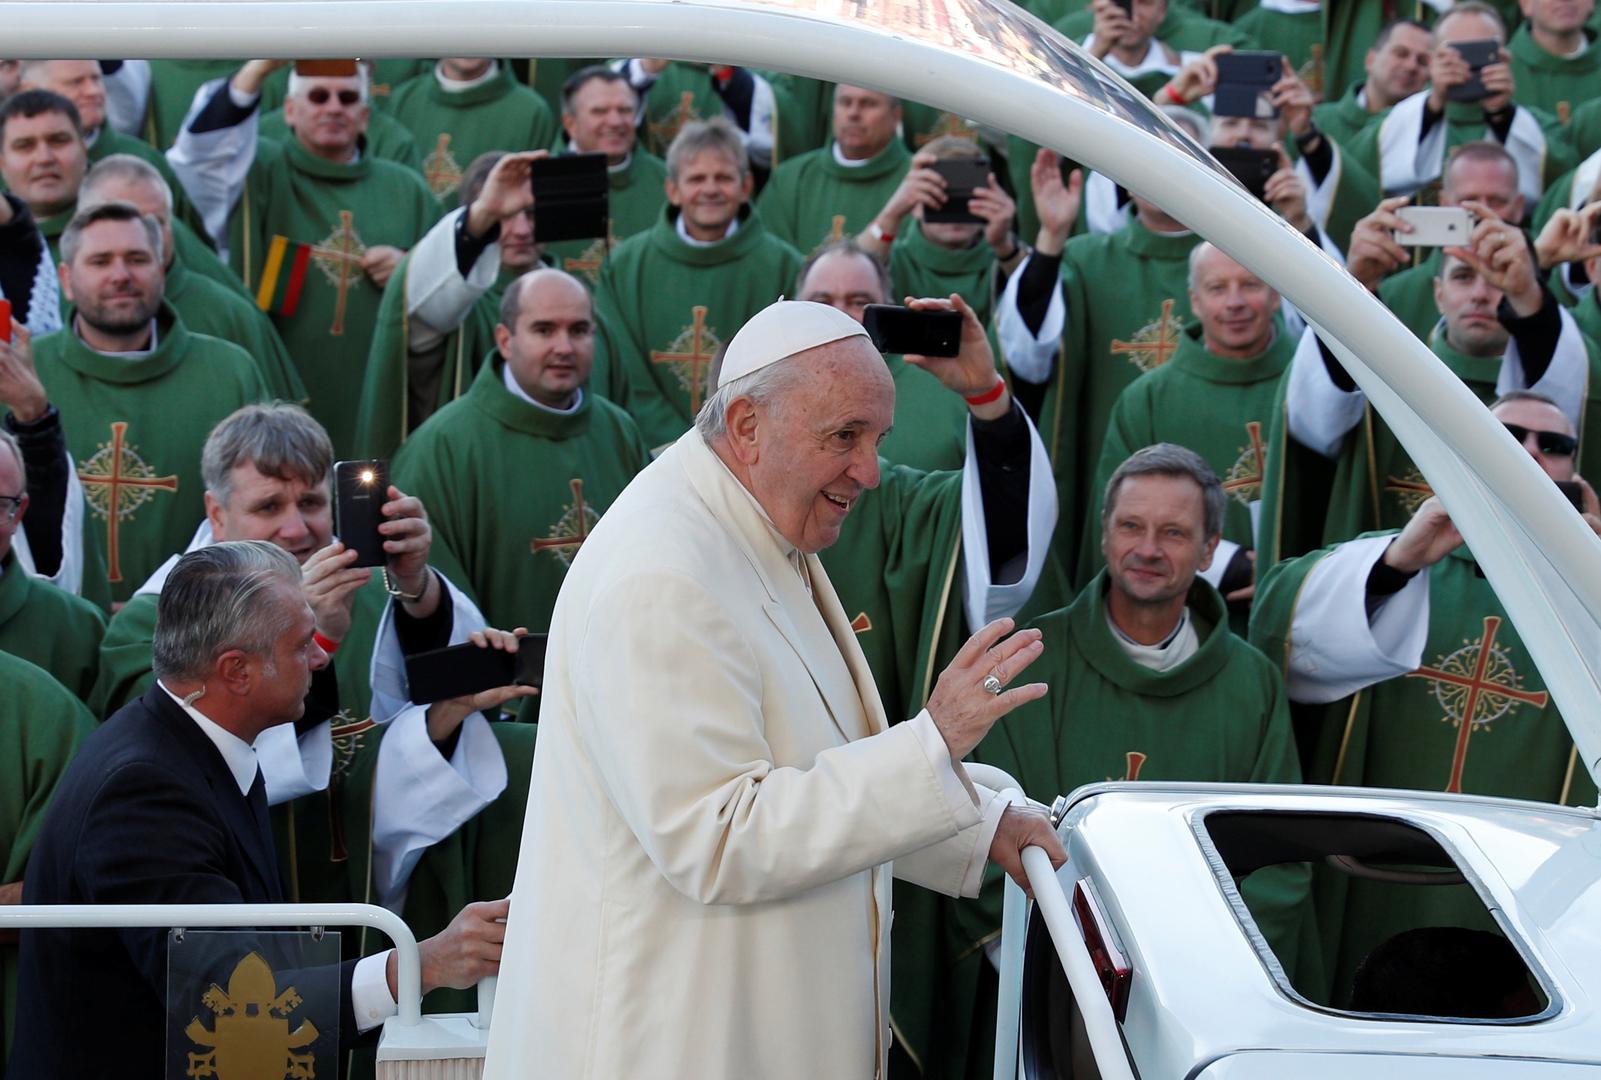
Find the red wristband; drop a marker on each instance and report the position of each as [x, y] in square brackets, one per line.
[992, 394]
[1174, 96]
[329, 647]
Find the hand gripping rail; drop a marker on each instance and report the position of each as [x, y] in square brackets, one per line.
[122, 916]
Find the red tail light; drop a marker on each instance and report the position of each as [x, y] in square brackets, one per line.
[1106, 952]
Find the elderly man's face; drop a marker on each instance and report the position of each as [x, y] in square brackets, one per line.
[551, 350]
[42, 160]
[114, 277]
[1467, 302]
[1234, 306]
[1154, 538]
[288, 512]
[1535, 417]
[844, 281]
[709, 190]
[13, 499]
[80, 82]
[817, 444]
[327, 115]
[864, 121]
[602, 120]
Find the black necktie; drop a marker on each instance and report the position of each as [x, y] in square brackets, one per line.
[257, 798]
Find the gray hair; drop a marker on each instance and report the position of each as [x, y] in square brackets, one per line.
[1171, 459]
[279, 438]
[846, 246]
[764, 386]
[297, 82]
[72, 236]
[219, 599]
[700, 135]
[1473, 7]
[129, 170]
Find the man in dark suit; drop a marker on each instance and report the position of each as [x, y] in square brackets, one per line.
[165, 804]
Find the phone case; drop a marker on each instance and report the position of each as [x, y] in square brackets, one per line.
[457, 670]
[1435, 226]
[572, 197]
[921, 333]
[360, 491]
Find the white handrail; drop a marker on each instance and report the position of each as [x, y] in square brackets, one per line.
[1009, 999]
[118, 916]
[1099, 1023]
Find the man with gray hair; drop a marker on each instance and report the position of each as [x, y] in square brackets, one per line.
[671, 296]
[166, 804]
[138, 392]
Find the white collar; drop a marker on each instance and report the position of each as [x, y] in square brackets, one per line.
[1292, 7]
[238, 755]
[1154, 60]
[621, 166]
[683, 232]
[456, 86]
[522, 395]
[792, 554]
[1178, 647]
[131, 354]
[849, 163]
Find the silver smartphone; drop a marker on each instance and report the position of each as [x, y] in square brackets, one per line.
[1435, 226]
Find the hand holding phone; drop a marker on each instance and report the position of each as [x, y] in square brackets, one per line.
[360, 490]
[1435, 226]
[469, 669]
[901, 330]
[962, 177]
[1244, 79]
[572, 194]
[1478, 55]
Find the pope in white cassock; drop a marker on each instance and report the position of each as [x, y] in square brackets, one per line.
[718, 802]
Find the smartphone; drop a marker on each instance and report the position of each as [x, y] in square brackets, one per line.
[1435, 226]
[920, 333]
[1251, 167]
[1243, 81]
[5, 319]
[962, 177]
[458, 670]
[572, 194]
[360, 490]
[1574, 492]
[1126, 5]
[1479, 55]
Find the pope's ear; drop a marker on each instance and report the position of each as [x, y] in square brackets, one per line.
[742, 424]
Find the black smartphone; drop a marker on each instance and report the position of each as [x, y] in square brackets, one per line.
[1574, 492]
[1479, 55]
[1127, 6]
[920, 333]
[962, 177]
[360, 490]
[572, 197]
[1250, 166]
[458, 670]
[1243, 81]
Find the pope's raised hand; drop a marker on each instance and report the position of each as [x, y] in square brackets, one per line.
[972, 694]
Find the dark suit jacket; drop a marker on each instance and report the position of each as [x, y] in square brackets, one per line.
[146, 813]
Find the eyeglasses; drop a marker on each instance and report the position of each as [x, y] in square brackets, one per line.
[1551, 443]
[9, 506]
[319, 95]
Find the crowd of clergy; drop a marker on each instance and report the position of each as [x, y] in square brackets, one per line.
[223, 277]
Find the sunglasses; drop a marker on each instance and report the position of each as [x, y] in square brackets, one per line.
[1551, 443]
[319, 95]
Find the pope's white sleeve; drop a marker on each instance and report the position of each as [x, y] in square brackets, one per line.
[292, 766]
[1407, 159]
[1566, 377]
[1319, 414]
[438, 298]
[387, 675]
[1335, 649]
[1029, 356]
[419, 798]
[669, 714]
[984, 600]
[212, 165]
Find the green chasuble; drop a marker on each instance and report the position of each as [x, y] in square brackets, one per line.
[1218, 407]
[209, 308]
[50, 627]
[201, 258]
[681, 93]
[1584, 129]
[510, 554]
[920, 267]
[805, 112]
[1219, 716]
[545, 75]
[172, 90]
[1408, 732]
[813, 199]
[1409, 294]
[1326, 47]
[1464, 122]
[135, 428]
[41, 725]
[108, 140]
[1557, 84]
[452, 127]
[670, 305]
[930, 429]
[342, 209]
[638, 192]
[386, 137]
[1128, 301]
[1184, 29]
[1587, 313]
[1343, 121]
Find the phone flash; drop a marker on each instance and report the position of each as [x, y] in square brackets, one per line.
[366, 476]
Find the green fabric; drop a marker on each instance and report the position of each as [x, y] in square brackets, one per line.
[1345, 119]
[1355, 194]
[1558, 196]
[922, 124]
[172, 90]
[1405, 733]
[1464, 122]
[1127, 296]
[1584, 128]
[681, 93]
[570, 469]
[1220, 716]
[386, 138]
[805, 110]
[1218, 407]
[812, 199]
[546, 75]
[930, 429]
[1298, 36]
[1587, 313]
[49, 627]
[41, 727]
[659, 296]
[1557, 84]
[207, 307]
[110, 141]
[637, 195]
[453, 128]
[920, 267]
[159, 408]
[201, 258]
[338, 207]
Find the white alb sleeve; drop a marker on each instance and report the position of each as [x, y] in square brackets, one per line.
[1029, 356]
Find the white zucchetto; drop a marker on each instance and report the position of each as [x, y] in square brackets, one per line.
[781, 330]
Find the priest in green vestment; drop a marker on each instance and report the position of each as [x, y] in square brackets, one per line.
[834, 191]
[529, 416]
[1396, 66]
[1214, 397]
[1408, 674]
[597, 117]
[385, 137]
[1146, 682]
[1555, 59]
[466, 107]
[138, 392]
[1324, 42]
[675, 93]
[671, 296]
[41, 725]
[315, 228]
